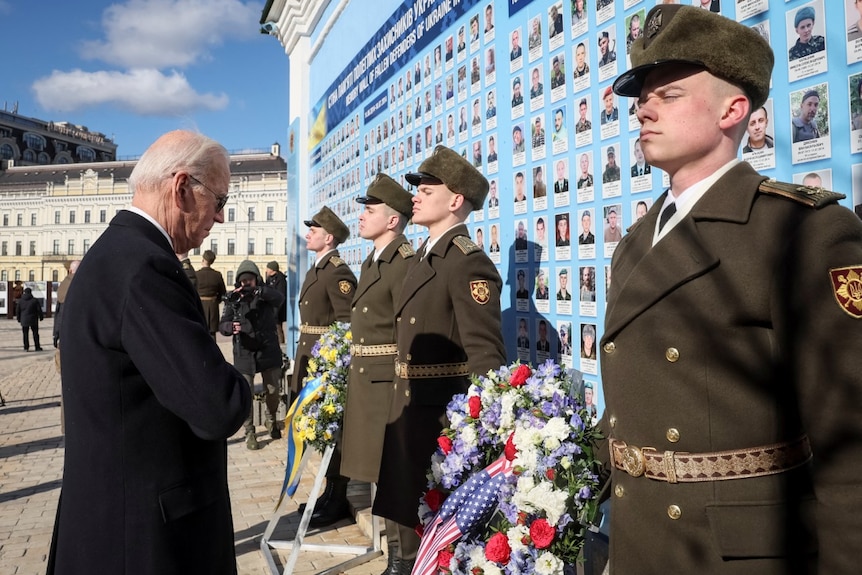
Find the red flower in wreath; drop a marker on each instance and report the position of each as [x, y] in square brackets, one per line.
[445, 444]
[497, 549]
[434, 498]
[541, 533]
[475, 404]
[520, 376]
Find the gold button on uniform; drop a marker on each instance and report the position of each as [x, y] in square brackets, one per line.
[365, 309]
[673, 435]
[672, 354]
[619, 491]
[610, 347]
[409, 356]
[674, 512]
[361, 370]
[613, 421]
[412, 320]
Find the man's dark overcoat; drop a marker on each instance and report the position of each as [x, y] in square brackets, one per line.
[149, 402]
[728, 334]
[370, 387]
[324, 298]
[449, 312]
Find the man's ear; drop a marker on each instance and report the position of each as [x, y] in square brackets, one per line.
[181, 190]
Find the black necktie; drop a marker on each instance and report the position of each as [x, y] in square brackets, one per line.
[666, 214]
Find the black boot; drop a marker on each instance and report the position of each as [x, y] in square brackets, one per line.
[405, 567]
[394, 561]
[336, 506]
[321, 501]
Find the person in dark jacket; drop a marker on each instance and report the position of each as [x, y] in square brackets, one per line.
[29, 316]
[249, 315]
[275, 279]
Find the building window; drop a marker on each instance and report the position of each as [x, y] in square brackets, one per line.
[86, 246]
[71, 247]
[251, 246]
[86, 154]
[231, 247]
[55, 276]
[229, 278]
[20, 219]
[34, 141]
[55, 249]
[103, 214]
[32, 219]
[231, 214]
[32, 248]
[269, 246]
[72, 217]
[4, 276]
[251, 214]
[57, 217]
[44, 158]
[7, 152]
[17, 275]
[270, 213]
[17, 248]
[29, 156]
[32, 275]
[86, 216]
[214, 246]
[5, 220]
[4, 248]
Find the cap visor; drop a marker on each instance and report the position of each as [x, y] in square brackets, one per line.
[311, 224]
[415, 178]
[630, 83]
[369, 200]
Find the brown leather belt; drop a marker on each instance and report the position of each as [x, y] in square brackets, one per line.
[359, 350]
[406, 371]
[314, 329]
[683, 467]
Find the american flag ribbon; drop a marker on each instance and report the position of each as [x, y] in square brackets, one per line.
[465, 511]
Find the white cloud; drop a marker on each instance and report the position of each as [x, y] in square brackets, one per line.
[169, 33]
[145, 92]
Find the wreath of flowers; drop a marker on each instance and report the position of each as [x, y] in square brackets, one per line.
[320, 419]
[538, 420]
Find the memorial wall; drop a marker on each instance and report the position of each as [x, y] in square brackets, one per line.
[523, 90]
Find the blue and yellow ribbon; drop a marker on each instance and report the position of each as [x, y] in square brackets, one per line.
[295, 445]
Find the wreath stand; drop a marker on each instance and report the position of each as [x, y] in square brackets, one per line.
[362, 554]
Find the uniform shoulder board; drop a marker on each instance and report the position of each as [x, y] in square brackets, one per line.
[807, 195]
[336, 261]
[465, 244]
[406, 250]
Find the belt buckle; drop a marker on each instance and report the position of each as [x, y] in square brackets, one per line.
[633, 461]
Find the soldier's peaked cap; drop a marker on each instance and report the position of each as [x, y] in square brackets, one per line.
[330, 222]
[446, 166]
[676, 34]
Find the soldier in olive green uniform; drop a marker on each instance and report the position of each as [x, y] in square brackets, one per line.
[211, 290]
[324, 298]
[448, 325]
[388, 208]
[730, 355]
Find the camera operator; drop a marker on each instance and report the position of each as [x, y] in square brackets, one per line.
[250, 316]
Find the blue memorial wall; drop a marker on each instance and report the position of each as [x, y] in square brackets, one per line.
[522, 89]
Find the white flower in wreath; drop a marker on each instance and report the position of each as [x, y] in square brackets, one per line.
[469, 436]
[548, 564]
[555, 432]
[516, 535]
[541, 497]
[456, 420]
[508, 402]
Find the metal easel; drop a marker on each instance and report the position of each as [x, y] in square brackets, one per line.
[363, 554]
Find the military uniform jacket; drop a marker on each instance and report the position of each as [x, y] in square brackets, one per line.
[370, 386]
[211, 289]
[728, 334]
[324, 298]
[449, 312]
[149, 402]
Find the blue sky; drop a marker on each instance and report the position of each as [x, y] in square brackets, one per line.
[134, 69]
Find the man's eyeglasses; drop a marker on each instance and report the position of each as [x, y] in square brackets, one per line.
[221, 201]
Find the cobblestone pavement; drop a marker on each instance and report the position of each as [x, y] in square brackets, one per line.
[31, 470]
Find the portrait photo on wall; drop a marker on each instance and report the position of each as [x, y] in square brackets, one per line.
[806, 37]
[854, 85]
[607, 43]
[814, 179]
[853, 18]
[758, 145]
[809, 124]
[516, 50]
[584, 125]
[856, 188]
[579, 17]
[581, 67]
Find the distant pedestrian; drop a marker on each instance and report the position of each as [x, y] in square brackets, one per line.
[29, 315]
